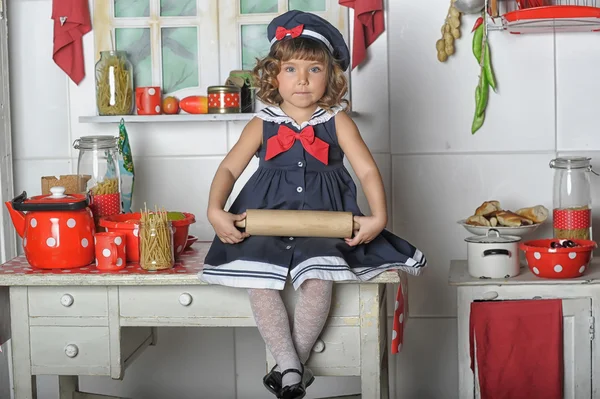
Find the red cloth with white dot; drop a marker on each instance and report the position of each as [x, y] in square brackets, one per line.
[569, 219]
[518, 347]
[223, 100]
[106, 204]
[400, 316]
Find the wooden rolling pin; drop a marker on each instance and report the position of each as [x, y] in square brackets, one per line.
[282, 223]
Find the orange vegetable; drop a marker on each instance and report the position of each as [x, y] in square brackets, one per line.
[194, 104]
[170, 105]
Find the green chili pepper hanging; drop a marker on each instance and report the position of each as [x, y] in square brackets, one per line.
[477, 122]
[487, 79]
[477, 38]
[487, 65]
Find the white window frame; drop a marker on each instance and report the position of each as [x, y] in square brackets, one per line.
[219, 25]
[205, 21]
[230, 39]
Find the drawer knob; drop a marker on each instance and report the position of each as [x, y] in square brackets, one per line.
[185, 299]
[319, 346]
[488, 296]
[71, 350]
[67, 300]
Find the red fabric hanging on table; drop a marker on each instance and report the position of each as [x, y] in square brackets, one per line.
[71, 22]
[519, 348]
[400, 316]
[368, 25]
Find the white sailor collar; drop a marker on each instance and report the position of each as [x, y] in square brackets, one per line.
[276, 114]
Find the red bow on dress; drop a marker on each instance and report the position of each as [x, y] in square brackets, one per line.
[286, 137]
[282, 32]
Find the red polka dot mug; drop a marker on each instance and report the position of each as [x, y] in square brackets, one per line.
[110, 251]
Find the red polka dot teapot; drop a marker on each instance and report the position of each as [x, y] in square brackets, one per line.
[57, 229]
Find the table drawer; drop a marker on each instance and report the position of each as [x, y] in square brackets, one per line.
[341, 349]
[184, 301]
[68, 301]
[70, 350]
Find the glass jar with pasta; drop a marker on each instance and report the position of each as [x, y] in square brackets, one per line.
[114, 84]
[98, 163]
[572, 198]
[156, 241]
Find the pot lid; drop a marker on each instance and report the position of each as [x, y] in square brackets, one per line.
[493, 237]
[57, 201]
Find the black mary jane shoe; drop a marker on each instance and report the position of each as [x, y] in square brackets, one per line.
[297, 391]
[272, 381]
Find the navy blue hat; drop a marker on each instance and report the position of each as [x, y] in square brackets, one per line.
[302, 24]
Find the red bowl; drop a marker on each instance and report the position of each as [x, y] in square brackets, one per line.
[128, 223]
[557, 263]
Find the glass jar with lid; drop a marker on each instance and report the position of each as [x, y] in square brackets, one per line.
[114, 84]
[98, 170]
[572, 198]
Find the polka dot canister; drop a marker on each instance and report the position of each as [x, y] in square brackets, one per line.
[224, 100]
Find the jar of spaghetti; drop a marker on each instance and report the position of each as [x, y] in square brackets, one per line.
[224, 100]
[114, 84]
[572, 198]
[98, 171]
[156, 241]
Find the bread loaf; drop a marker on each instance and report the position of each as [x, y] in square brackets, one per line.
[488, 207]
[536, 214]
[478, 220]
[511, 219]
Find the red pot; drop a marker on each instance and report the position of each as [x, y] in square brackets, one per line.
[128, 223]
[57, 229]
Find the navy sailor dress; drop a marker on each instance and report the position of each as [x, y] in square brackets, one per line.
[294, 179]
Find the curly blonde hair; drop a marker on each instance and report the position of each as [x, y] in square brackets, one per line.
[266, 71]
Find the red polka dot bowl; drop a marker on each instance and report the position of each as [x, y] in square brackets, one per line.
[128, 223]
[557, 263]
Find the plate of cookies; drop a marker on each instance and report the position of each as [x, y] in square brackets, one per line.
[491, 215]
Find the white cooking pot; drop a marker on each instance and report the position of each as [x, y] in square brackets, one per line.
[493, 255]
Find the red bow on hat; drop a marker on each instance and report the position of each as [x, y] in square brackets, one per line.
[282, 32]
[286, 137]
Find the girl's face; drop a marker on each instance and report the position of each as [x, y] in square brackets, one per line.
[302, 83]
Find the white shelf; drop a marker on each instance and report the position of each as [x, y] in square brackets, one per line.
[167, 118]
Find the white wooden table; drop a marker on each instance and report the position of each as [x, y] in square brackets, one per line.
[87, 322]
[581, 306]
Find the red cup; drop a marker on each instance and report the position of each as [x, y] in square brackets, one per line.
[148, 100]
[110, 251]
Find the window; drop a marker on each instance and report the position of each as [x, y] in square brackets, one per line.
[180, 44]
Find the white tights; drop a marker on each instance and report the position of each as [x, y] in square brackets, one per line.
[292, 348]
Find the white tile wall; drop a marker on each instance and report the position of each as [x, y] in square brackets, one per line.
[39, 103]
[27, 173]
[176, 184]
[433, 192]
[577, 58]
[432, 103]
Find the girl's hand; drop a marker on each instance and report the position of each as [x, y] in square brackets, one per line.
[223, 224]
[370, 227]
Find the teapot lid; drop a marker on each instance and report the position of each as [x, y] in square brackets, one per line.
[56, 201]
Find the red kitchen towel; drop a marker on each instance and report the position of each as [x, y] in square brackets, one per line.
[368, 25]
[400, 313]
[71, 22]
[519, 347]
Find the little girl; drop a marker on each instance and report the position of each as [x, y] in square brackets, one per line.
[301, 140]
